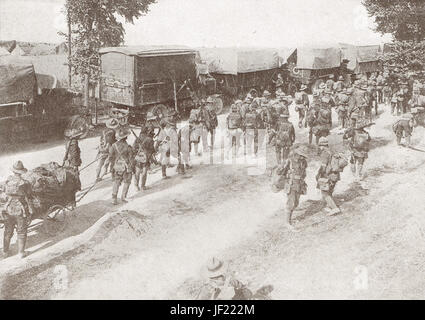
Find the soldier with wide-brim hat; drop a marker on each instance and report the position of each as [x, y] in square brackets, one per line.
[112, 123]
[18, 167]
[122, 133]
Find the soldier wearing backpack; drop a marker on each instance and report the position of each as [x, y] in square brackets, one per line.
[196, 128]
[210, 123]
[294, 170]
[311, 117]
[331, 165]
[302, 104]
[403, 128]
[250, 128]
[107, 139]
[323, 122]
[358, 139]
[121, 156]
[342, 104]
[234, 130]
[143, 149]
[18, 209]
[284, 138]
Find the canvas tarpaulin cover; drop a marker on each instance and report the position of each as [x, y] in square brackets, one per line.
[314, 58]
[239, 60]
[17, 82]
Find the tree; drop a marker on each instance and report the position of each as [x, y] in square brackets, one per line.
[95, 25]
[404, 19]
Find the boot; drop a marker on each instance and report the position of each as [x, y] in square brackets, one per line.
[164, 172]
[124, 192]
[21, 246]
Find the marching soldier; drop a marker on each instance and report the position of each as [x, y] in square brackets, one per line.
[220, 284]
[234, 130]
[339, 85]
[312, 115]
[359, 140]
[302, 104]
[72, 158]
[143, 148]
[403, 128]
[294, 170]
[196, 125]
[121, 156]
[284, 137]
[330, 83]
[210, 123]
[18, 209]
[250, 126]
[323, 122]
[328, 175]
[184, 145]
[342, 105]
[107, 139]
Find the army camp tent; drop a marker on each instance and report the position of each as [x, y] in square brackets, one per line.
[17, 82]
[239, 60]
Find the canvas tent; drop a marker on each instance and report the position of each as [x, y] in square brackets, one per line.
[239, 60]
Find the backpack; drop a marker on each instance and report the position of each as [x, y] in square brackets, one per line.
[213, 119]
[395, 125]
[361, 141]
[194, 116]
[298, 98]
[120, 165]
[278, 180]
[311, 117]
[141, 156]
[324, 116]
[337, 163]
[234, 120]
[283, 137]
[251, 120]
[12, 188]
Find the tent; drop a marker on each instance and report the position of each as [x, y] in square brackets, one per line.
[239, 60]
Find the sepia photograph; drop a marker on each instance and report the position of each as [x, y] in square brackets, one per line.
[182, 150]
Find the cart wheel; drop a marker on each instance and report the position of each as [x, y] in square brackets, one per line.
[55, 220]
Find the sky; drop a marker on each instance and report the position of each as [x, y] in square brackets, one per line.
[210, 23]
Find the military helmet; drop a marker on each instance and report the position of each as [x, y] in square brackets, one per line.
[303, 87]
[112, 123]
[323, 141]
[215, 268]
[122, 133]
[341, 78]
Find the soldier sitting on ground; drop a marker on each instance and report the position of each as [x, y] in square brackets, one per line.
[221, 285]
[359, 140]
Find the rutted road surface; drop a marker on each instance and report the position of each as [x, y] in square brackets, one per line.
[155, 246]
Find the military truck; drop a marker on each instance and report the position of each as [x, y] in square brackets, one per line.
[28, 112]
[156, 79]
[313, 66]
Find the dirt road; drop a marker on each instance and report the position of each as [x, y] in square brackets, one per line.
[155, 246]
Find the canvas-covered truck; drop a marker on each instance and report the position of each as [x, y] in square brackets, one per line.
[28, 110]
[138, 80]
[238, 70]
[313, 66]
